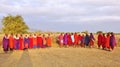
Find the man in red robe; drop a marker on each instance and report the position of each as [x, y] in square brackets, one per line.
[39, 41]
[99, 40]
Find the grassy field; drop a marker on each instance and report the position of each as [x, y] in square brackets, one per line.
[61, 57]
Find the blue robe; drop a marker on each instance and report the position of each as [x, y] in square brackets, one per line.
[87, 40]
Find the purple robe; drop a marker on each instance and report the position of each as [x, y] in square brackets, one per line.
[92, 37]
[5, 43]
[112, 41]
[17, 44]
[26, 41]
[65, 40]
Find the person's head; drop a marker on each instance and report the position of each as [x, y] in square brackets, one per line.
[72, 33]
[11, 34]
[82, 35]
[61, 33]
[48, 34]
[108, 34]
[34, 34]
[91, 34]
[103, 34]
[112, 34]
[100, 33]
[43, 35]
[16, 35]
[39, 34]
[21, 35]
[6, 35]
[86, 34]
[26, 35]
[30, 35]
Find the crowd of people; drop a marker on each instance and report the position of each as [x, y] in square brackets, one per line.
[106, 41]
[22, 42]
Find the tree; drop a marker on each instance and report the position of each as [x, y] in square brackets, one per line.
[14, 24]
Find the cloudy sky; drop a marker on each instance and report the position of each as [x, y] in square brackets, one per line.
[65, 15]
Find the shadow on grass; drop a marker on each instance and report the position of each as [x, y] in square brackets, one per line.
[25, 60]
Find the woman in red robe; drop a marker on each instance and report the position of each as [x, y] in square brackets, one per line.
[100, 40]
[21, 42]
[39, 41]
[31, 41]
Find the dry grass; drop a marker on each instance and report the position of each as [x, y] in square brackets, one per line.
[61, 57]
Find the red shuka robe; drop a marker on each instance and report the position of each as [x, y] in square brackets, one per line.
[100, 40]
[76, 39]
[40, 41]
[69, 40]
[21, 43]
[103, 42]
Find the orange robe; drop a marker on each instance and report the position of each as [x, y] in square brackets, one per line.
[34, 42]
[11, 42]
[49, 41]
